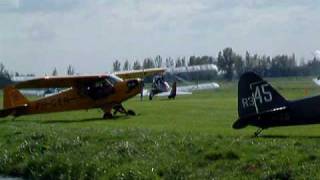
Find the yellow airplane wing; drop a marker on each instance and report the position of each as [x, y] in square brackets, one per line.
[139, 73]
[59, 82]
[72, 81]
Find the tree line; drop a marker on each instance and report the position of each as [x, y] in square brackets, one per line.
[231, 65]
[158, 62]
[6, 77]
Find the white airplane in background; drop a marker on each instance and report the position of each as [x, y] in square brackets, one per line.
[316, 54]
[202, 86]
[34, 92]
[160, 87]
[316, 81]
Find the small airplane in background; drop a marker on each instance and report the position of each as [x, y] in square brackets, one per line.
[260, 105]
[79, 92]
[316, 81]
[160, 87]
[316, 55]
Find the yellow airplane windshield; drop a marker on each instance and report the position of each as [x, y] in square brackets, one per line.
[113, 79]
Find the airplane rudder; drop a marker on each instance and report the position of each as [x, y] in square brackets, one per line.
[173, 91]
[256, 95]
[245, 100]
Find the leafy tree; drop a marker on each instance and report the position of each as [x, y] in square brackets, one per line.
[178, 62]
[283, 65]
[126, 66]
[3, 72]
[183, 61]
[136, 65]
[169, 62]
[116, 66]
[158, 61]
[238, 65]
[148, 63]
[70, 70]
[192, 61]
[5, 78]
[54, 72]
[249, 64]
[226, 61]
[200, 60]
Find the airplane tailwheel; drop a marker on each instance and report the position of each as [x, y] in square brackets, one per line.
[258, 132]
[131, 112]
[171, 97]
[107, 116]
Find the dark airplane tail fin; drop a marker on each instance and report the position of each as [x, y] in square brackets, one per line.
[256, 96]
[13, 98]
[173, 92]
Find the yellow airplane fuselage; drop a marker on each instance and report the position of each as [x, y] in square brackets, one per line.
[74, 99]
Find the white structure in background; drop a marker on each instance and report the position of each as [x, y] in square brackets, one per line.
[316, 54]
[316, 81]
[34, 92]
[191, 69]
[22, 78]
[197, 68]
[187, 89]
[28, 92]
[201, 86]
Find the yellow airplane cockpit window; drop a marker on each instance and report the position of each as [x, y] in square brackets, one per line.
[113, 79]
[99, 89]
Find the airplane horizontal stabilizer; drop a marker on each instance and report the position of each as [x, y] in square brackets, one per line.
[243, 121]
[147, 92]
[16, 111]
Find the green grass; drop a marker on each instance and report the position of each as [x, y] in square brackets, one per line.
[189, 138]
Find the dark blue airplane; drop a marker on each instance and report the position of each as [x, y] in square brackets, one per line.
[260, 105]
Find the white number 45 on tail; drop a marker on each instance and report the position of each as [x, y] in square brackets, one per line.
[262, 94]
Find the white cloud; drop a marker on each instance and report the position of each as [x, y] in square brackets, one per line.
[317, 54]
[7, 5]
[91, 34]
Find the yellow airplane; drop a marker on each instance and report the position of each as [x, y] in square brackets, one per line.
[81, 92]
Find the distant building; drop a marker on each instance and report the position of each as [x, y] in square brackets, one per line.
[22, 78]
[317, 54]
[29, 92]
[205, 72]
[197, 68]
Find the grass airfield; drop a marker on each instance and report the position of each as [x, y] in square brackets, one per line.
[188, 138]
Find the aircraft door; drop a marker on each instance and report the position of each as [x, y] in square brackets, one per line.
[98, 90]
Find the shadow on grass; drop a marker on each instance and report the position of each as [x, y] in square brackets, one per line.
[286, 137]
[3, 121]
[85, 120]
[64, 120]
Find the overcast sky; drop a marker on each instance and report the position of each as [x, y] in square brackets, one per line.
[38, 35]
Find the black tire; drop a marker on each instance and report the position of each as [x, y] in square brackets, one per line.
[171, 97]
[131, 113]
[107, 116]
